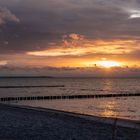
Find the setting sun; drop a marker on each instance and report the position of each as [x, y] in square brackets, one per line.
[108, 64]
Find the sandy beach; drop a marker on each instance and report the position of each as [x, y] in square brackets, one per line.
[69, 69]
[44, 124]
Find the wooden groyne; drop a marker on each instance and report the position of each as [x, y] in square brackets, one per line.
[4, 99]
[49, 86]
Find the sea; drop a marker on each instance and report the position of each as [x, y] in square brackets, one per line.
[116, 107]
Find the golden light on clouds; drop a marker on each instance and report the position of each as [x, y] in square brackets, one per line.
[2, 63]
[76, 50]
[71, 35]
[60, 52]
[85, 47]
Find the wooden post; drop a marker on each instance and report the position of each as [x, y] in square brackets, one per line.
[114, 129]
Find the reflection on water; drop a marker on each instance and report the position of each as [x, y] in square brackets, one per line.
[108, 85]
[72, 86]
[107, 107]
[110, 109]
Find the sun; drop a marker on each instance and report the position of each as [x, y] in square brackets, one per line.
[107, 64]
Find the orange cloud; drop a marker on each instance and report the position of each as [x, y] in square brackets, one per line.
[2, 63]
[77, 45]
[76, 50]
[76, 36]
[60, 52]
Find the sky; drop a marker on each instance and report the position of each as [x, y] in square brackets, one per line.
[70, 37]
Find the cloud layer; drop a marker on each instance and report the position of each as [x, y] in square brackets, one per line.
[6, 16]
[69, 32]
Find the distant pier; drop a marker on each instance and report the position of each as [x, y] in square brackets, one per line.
[4, 99]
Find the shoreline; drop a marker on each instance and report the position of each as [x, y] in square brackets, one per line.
[107, 120]
[24, 122]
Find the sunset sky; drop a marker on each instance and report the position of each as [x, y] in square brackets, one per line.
[70, 37]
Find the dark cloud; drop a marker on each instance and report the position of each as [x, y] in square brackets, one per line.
[43, 22]
[18, 38]
[6, 16]
[94, 18]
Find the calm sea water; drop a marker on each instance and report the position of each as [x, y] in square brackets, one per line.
[123, 107]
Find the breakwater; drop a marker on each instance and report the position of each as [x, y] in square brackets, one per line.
[4, 99]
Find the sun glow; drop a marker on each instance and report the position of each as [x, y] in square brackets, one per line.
[108, 64]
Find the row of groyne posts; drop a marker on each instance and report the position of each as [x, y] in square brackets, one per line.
[4, 99]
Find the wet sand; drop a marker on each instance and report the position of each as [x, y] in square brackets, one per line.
[26, 123]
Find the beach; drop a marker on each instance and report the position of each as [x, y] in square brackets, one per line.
[20, 122]
[69, 70]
